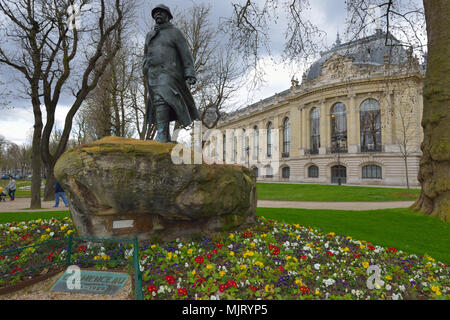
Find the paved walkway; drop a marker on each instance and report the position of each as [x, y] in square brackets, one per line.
[334, 205]
[22, 205]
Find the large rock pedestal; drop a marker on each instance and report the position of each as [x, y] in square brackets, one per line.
[124, 188]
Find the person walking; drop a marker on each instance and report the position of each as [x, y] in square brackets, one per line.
[59, 193]
[11, 187]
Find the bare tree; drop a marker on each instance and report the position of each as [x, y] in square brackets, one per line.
[44, 49]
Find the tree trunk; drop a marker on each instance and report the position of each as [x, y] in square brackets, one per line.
[434, 173]
[49, 190]
[36, 164]
[407, 173]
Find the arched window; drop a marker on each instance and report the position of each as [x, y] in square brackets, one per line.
[269, 140]
[370, 123]
[255, 143]
[338, 128]
[315, 131]
[286, 138]
[313, 171]
[371, 171]
[256, 171]
[269, 172]
[286, 172]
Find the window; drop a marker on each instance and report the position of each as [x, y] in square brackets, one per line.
[315, 131]
[313, 172]
[255, 143]
[256, 171]
[269, 139]
[370, 122]
[286, 172]
[338, 119]
[224, 148]
[371, 172]
[244, 146]
[286, 138]
[269, 172]
[234, 149]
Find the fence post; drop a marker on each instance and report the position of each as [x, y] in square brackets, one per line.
[137, 272]
[69, 250]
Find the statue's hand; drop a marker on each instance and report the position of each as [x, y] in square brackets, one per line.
[191, 80]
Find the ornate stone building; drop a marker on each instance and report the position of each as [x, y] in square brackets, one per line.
[354, 119]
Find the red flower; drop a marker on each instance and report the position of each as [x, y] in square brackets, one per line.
[304, 289]
[356, 256]
[214, 251]
[182, 292]
[16, 258]
[82, 248]
[2, 257]
[231, 283]
[50, 257]
[281, 268]
[222, 287]
[303, 257]
[151, 288]
[199, 259]
[276, 251]
[330, 254]
[209, 255]
[253, 288]
[18, 269]
[391, 250]
[248, 235]
[170, 279]
[371, 247]
[219, 245]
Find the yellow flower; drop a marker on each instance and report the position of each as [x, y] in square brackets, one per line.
[231, 236]
[430, 278]
[209, 266]
[259, 263]
[222, 273]
[348, 238]
[242, 267]
[193, 273]
[190, 251]
[298, 282]
[317, 292]
[232, 253]
[365, 264]
[288, 258]
[96, 258]
[63, 228]
[297, 226]
[253, 244]
[249, 254]
[389, 277]
[331, 234]
[269, 288]
[346, 249]
[362, 246]
[39, 220]
[153, 246]
[263, 235]
[430, 258]
[169, 256]
[69, 232]
[48, 229]
[295, 259]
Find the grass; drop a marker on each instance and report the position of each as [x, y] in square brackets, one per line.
[7, 217]
[332, 193]
[20, 184]
[399, 228]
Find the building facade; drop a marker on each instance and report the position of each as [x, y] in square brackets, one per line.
[354, 119]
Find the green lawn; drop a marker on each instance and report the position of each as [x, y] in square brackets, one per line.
[331, 193]
[399, 228]
[6, 217]
[20, 184]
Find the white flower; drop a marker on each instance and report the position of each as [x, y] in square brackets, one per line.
[329, 282]
[317, 266]
[402, 287]
[388, 287]
[396, 296]
[52, 234]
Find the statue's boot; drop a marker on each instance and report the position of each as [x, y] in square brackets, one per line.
[162, 123]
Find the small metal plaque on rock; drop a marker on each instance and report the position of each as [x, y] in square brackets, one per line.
[92, 282]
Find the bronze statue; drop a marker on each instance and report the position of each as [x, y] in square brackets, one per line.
[167, 66]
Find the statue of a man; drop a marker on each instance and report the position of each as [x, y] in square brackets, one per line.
[167, 66]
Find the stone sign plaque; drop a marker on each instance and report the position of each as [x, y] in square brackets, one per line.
[93, 282]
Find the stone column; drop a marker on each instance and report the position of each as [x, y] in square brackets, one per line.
[388, 121]
[353, 129]
[324, 127]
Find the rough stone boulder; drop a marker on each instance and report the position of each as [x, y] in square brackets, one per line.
[119, 187]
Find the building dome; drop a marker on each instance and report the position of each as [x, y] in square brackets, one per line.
[371, 50]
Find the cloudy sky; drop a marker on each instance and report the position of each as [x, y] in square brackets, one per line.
[328, 15]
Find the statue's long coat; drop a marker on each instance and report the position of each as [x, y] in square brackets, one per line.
[167, 63]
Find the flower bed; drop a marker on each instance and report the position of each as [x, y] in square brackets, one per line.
[270, 261]
[280, 261]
